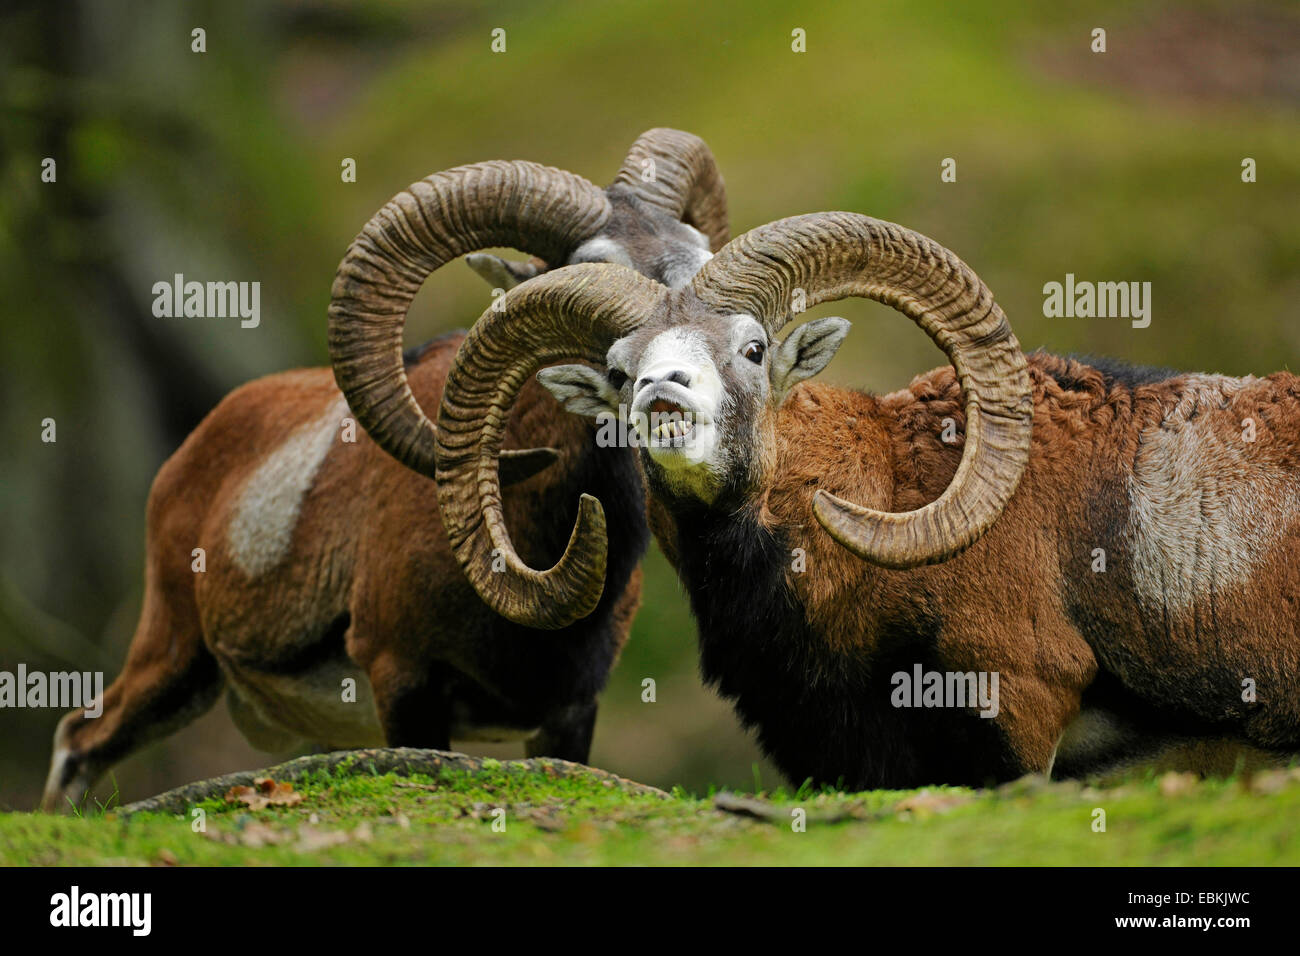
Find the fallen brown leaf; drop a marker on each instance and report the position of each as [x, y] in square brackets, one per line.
[265, 792]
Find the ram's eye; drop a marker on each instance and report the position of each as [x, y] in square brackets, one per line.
[754, 352]
[617, 378]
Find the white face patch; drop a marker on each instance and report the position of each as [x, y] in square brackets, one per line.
[601, 249]
[1196, 526]
[687, 373]
[681, 270]
[680, 349]
[677, 368]
[672, 262]
[700, 238]
[261, 527]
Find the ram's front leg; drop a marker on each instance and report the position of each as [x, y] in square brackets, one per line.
[1032, 674]
[566, 734]
[1032, 717]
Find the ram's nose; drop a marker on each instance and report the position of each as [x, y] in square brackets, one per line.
[678, 376]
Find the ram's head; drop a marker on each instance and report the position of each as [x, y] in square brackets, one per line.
[664, 211]
[698, 393]
[708, 354]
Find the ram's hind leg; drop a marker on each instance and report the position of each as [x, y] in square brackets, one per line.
[169, 679]
[411, 698]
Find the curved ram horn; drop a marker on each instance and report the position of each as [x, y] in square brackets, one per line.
[838, 254]
[530, 207]
[574, 312]
[676, 172]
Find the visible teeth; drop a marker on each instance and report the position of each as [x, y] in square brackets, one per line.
[673, 429]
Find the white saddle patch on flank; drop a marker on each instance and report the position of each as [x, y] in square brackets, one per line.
[261, 529]
[1195, 525]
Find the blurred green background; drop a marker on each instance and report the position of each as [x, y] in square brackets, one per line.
[1117, 166]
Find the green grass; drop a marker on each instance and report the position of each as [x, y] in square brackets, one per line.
[228, 165]
[353, 819]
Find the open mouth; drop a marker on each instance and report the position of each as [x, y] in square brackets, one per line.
[670, 424]
[669, 421]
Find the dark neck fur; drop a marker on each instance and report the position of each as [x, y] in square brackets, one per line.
[818, 713]
[573, 663]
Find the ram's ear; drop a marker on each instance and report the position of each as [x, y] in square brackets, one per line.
[502, 273]
[580, 389]
[805, 352]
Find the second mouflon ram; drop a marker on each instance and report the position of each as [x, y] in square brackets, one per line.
[832, 540]
[324, 561]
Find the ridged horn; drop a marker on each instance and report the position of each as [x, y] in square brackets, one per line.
[576, 312]
[839, 254]
[537, 209]
[676, 171]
